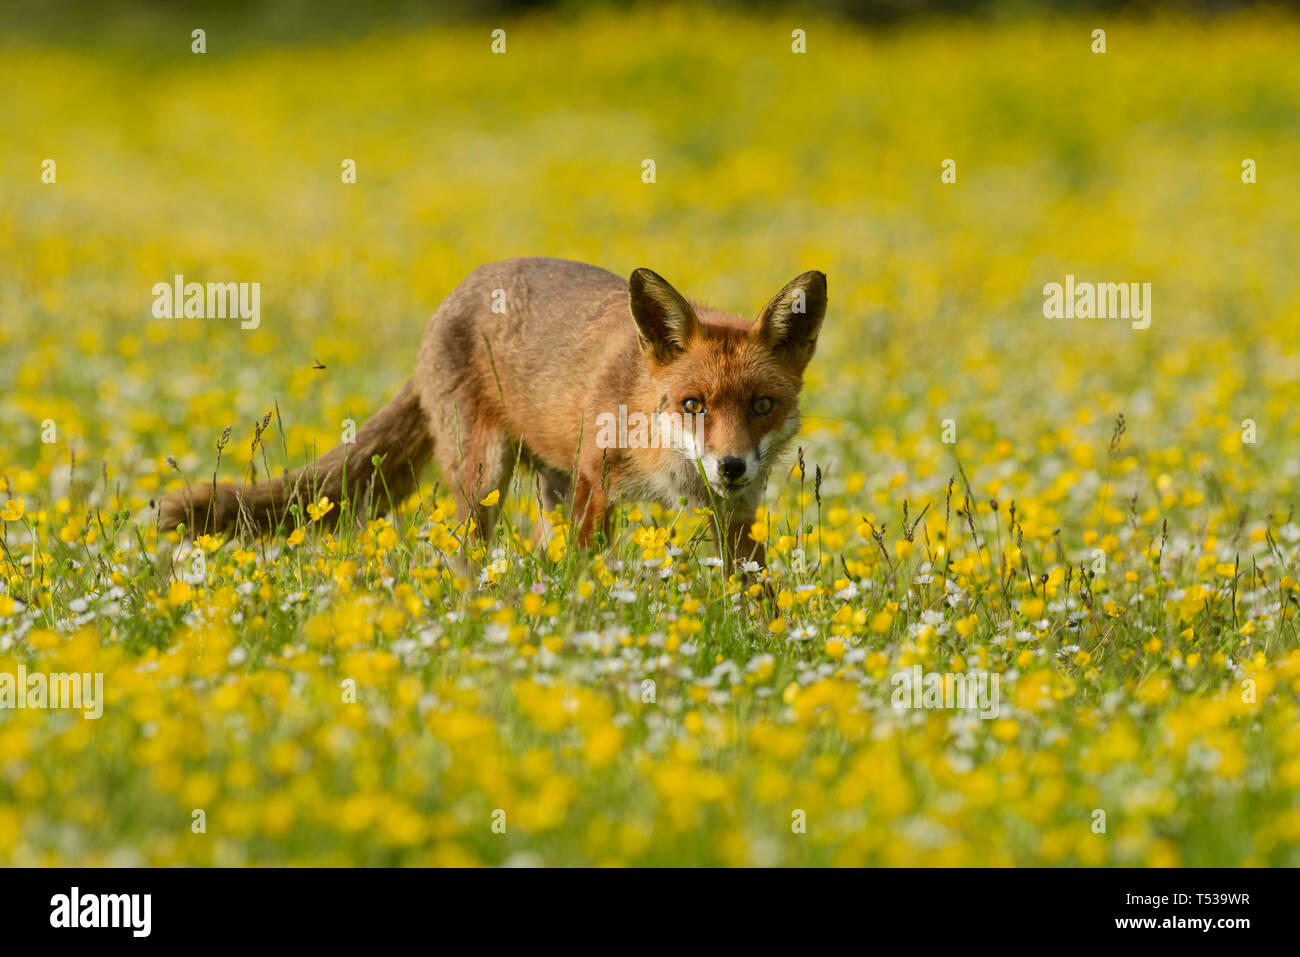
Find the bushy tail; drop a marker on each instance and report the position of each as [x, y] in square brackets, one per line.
[399, 433]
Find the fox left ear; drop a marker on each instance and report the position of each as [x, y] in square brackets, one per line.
[789, 324]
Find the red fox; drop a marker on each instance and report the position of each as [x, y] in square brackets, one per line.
[522, 361]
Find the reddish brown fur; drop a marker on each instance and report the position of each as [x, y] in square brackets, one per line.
[528, 385]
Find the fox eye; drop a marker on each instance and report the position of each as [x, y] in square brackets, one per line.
[761, 406]
[693, 406]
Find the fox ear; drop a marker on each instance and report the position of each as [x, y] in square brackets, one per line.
[665, 321]
[789, 324]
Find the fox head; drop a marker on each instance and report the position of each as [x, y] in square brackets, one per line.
[741, 380]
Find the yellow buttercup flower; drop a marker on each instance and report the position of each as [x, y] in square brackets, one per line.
[318, 510]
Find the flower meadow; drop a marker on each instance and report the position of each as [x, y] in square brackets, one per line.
[1100, 516]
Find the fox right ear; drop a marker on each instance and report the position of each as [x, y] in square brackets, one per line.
[790, 323]
[665, 321]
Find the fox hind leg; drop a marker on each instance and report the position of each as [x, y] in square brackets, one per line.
[477, 458]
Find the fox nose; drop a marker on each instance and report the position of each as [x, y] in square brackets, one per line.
[732, 468]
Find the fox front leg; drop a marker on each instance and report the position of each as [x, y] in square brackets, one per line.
[590, 510]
